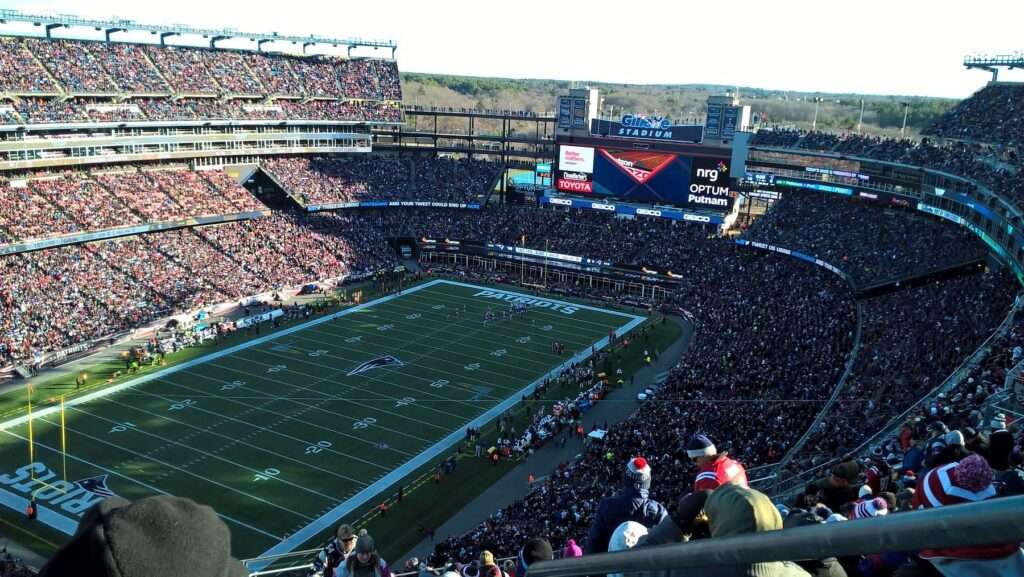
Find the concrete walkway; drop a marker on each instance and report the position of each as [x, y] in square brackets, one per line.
[617, 406]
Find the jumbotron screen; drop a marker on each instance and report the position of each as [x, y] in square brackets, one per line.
[645, 176]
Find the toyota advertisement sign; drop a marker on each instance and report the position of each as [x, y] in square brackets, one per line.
[575, 169]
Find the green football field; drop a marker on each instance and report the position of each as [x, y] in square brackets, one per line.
[287, 434]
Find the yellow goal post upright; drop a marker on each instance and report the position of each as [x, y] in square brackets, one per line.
[32, 448]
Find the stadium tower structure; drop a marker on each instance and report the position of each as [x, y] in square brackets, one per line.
[993, 63]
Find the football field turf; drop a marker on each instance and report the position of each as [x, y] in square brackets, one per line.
[286, 434]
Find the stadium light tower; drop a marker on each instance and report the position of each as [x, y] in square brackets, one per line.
[817, 102]
[906, 111]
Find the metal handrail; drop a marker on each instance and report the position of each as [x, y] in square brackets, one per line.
[305, 567]
[995, 521]
[282, 555]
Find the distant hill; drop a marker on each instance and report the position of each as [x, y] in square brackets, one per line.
[837, 112]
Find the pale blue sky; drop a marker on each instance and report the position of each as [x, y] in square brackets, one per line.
[873, 46]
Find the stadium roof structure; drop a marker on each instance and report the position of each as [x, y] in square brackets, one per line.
[110, 27]
[992, 63]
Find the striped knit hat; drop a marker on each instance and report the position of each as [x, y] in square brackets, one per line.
[876, 507]
[700, 446]
[638, 473]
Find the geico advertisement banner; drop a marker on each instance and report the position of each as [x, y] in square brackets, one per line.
[576, 159]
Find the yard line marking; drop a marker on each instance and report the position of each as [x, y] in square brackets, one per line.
[207, 454]
[399, 321]
[258, 447]
[304, 442]
[326, 398]
[137, 482]
[566, 333]
[443, 355]
[461, 363]
[183, 470]
[348, 363]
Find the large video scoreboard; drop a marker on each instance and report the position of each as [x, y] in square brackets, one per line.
[684, 175]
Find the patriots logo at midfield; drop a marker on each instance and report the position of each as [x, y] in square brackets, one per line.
[379, 362]
[96, 485]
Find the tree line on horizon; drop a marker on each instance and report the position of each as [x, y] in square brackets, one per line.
[883, 114]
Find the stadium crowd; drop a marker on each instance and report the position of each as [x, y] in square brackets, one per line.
[749, 381]
[39, 205]
[59, 297]
[759, 431]
[86, 67]
[897, 242]
[772, 333]
[993, 114]
[746, 362]
[35, 110]
[188, 83]
[907, 350]
[993, 166]
[325, 180]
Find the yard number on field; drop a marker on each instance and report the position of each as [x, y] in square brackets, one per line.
[499, 353]
[472, 366]
[317, 353]
[404, 401]
[523, 340]
[412, 316]
[232, 385]
[183, 404]
[266, 474]
[364, 423]
[318, 447]
[122, 427]
[277, 368]
[385, 328]
[351, 340]
[439, 384]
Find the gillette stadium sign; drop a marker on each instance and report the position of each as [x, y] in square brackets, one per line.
[648, 128]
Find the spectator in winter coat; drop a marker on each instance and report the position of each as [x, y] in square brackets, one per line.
[632, 503]
[364, 562]
[838, 489]
[533, 551]
[571, 549]
[730, 510]
[715, 468]
[335, 552]
[488, 568]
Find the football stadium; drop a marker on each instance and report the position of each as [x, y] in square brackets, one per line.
[263, 312]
